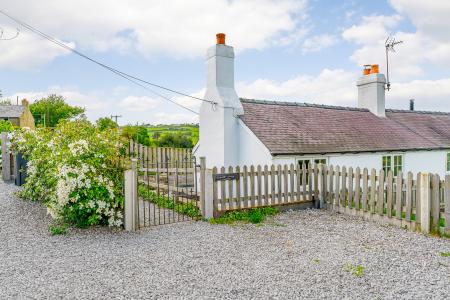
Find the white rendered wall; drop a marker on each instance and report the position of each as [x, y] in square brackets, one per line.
[219, 124]
[371, 93]
[417, 161]
[252, 150]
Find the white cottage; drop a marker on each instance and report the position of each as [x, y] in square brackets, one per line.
[239, 131]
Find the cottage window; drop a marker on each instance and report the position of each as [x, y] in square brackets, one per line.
[321, 161]
[448, 162]
[392, 162]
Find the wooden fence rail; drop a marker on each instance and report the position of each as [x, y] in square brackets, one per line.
[419, 202]
[148, 156]
[260, 186]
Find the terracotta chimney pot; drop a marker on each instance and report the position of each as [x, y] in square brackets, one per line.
[220, 38]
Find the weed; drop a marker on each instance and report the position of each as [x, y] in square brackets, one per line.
[357, 270]
[316, 260]
[445, 254]
[57, 229]
[254, 216]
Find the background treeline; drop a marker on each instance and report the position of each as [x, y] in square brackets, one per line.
[176, 135]
[49, 111]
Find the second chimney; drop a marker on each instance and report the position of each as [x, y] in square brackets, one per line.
[371, 91]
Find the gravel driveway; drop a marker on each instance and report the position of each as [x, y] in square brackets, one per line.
[308, 254]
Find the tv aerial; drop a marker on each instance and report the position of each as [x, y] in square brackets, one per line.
[389, 44]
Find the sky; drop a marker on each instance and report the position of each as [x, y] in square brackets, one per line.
[289, 50]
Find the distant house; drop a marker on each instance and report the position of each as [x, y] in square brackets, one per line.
[18, 115]
[237, 131]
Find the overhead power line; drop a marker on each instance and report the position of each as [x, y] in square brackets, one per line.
[134, 79]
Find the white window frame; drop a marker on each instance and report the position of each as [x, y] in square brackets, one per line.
[392, 163]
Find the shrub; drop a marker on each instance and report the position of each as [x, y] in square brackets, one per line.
[75, 171]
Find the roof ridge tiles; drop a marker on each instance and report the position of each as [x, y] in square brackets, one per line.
[325, 106]
[303, 104]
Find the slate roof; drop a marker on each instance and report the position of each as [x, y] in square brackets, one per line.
[288, 128]
[11, 111]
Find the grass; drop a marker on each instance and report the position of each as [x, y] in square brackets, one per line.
[355, 270]
[190, 129]
[445, 254]
[188, 209]
[254, 216]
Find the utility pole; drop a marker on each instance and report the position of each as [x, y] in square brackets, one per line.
[115, 117]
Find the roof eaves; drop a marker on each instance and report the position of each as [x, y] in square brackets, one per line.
[360, 151]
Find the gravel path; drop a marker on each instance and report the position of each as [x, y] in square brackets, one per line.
[302, 254]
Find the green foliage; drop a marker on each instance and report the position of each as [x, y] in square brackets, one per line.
[254, 216]
[75, 171]
[52, 109]
[57, 229]
[137, 133]
[175, 140]
[176, 136]
[445, 254]
[188, 209]
[356, 270]
[106, 123]
[5, 101]
[186, 131]
[6, 126]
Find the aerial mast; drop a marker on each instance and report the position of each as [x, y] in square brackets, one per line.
[389, 44]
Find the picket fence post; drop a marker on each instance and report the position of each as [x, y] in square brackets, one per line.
[425, 202]
[131, 215]
[447, 204]
[6, 159]
[206, 191]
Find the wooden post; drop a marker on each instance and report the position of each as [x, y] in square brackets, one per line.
[447, 204]
[321, 183]
[425, 202]
[6, 159]
[131, 198]
[435, 203]
[206, 188]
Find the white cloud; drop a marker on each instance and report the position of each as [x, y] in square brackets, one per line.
[138, 103]
[191, 102]
[319, 42]
[334, 87]
[371, 30]
[91, 101]
[429, 43]
[176, 28]
[338, 87]
[28, 50]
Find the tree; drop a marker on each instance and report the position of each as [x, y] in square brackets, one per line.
[5, 101]
[176, 140]
[53, 109]
[6, 126]
[137, 133]
[106, 123]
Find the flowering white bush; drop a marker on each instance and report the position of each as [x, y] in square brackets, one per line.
[75, 171]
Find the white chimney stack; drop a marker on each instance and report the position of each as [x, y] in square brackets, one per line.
[371, 91]
[219, 127]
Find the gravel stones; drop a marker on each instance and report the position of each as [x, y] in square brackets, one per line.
[300, 254]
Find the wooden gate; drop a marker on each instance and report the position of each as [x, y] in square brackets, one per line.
[167, 186]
